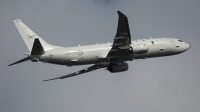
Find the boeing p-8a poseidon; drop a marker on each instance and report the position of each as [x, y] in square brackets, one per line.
[111, 56]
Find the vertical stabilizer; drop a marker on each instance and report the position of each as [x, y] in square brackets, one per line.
[29, 36]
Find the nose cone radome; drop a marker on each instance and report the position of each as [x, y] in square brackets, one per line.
[179, 48]
[188, 46]
[184, 47]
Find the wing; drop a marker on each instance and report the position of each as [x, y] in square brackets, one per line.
[122, 41]
[91, 68]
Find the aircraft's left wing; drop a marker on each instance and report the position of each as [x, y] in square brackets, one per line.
[91, 68]
[122, 41]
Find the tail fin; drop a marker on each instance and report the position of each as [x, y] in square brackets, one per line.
[29, 36]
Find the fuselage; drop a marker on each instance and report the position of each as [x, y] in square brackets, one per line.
[92, 54]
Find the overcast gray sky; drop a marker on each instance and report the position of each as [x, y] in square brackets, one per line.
[166, 84]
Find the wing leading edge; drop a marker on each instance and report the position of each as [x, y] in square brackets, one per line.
[89, 69]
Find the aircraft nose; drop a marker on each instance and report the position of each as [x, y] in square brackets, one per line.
[179, 47]
[187, 46]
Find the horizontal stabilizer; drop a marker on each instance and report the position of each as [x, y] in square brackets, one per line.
[37, 48]
[20, 61]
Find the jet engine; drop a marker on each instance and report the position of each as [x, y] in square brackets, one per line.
[118, 67]
[140, 49]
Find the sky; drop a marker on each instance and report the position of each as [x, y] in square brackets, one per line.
[164, 84]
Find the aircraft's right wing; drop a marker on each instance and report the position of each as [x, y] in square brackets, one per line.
[91, 68]
[122, 41]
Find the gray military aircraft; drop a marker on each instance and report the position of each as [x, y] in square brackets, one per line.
[111, 56]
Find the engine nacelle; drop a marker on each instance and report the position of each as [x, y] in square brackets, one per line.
[118, 67]
[140, 49]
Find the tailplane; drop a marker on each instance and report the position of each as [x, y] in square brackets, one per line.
[20, 61]
[36, 50]
[29, 36]
[36, 45]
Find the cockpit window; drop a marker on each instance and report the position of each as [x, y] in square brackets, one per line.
[180, 40]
